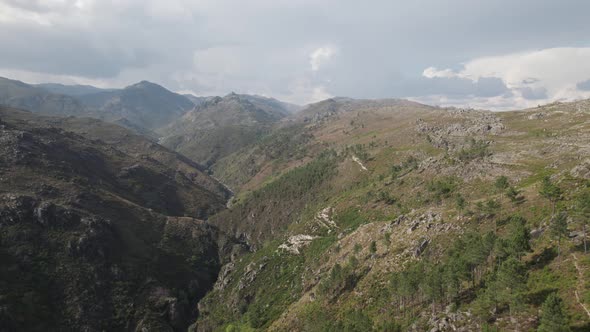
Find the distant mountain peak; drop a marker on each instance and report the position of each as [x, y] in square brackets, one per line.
[145, 85]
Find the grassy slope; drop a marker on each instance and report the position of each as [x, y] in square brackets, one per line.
[365, 203]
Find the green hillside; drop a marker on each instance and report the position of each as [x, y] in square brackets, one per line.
[398, 216]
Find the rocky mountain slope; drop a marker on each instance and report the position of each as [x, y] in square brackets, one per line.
[70, 90]
[142, 107]
[221, 126]
[150, 110]
[145, 104]
[100, 229]
[390, 215]
[350, 215]
[18, 94]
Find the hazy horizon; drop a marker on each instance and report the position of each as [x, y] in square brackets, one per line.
[497, 55]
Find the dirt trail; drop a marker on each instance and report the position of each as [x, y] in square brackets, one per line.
[358, 161]
[580, 282]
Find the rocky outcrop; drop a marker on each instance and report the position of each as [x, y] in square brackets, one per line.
[419, 249]
[450, 134]
[295, 243]
[452, 321]
[324, 220]
[83, 231]
[582, 171]
[251, 272]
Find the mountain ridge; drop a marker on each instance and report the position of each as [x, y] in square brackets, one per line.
[101, 228]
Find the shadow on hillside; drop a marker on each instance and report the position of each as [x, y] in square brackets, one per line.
[583, 328]
[467, 295]
[543, 259]
[580, 247]
[537, 298]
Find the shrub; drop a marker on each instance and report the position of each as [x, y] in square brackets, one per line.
[443, 188]
[476, 149]
[373, 247]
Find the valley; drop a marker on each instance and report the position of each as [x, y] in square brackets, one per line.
[343, 215]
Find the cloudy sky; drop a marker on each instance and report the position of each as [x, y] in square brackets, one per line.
[497, 54]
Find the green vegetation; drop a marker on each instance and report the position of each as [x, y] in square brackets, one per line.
[476, 149]
[302, 180]
[558, 229]
[433, 233]
[427, 244]
[583, 212]
[283, 200]
[502, 183]
[358, 150]
[340, 280]
[408, 165]
[279, 146]
[551, 192]
[514, 195]
[373, 247]
[553, 317]
[487, 264]
[443, 188]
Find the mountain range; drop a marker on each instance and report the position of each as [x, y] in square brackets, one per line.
[244, 213]
[155, 112]
[221, 126]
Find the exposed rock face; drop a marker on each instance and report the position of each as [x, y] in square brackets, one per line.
[451, 134]
[90, 249]
[452, 321]
[250, 273]
[224, 277]
[296, 242]
[359, 162]
[86, 245]
[324, 220]
[582, 170]
[536, 116]
[221, 126]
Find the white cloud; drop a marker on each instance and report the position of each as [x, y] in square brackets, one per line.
[319, 93]
[534, 77]
[432, 72]
[210, 46]
[9, 14]
[320, 56]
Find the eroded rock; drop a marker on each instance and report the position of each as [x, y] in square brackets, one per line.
[296, 242]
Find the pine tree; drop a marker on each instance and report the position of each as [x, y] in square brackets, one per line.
[502, 184]
[583, 211]
[550, 191]
[553, 317]
[434, 285]
[519, 237]
[511, 283]
[559, 229]
[491, 208]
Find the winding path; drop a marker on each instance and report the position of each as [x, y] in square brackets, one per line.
[358, 161]
[580, 281]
